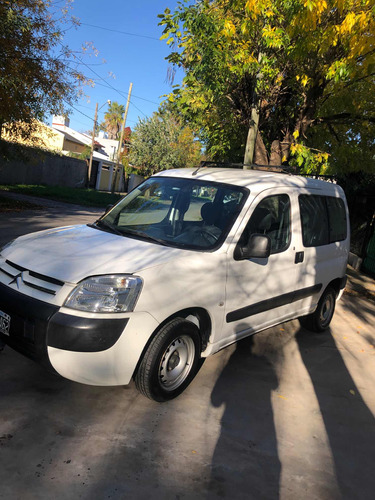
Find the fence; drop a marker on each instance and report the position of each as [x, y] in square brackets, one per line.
[29, 166]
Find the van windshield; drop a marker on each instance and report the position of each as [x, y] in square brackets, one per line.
[178, 212]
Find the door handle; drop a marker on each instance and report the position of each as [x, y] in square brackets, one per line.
[299, 257]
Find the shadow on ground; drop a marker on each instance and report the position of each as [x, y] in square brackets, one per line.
[246, 453]
[349, 423]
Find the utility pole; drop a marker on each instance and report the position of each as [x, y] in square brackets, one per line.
[93, 140]
[251, 137]
[121, 139]
[254, 124]
[92, 145]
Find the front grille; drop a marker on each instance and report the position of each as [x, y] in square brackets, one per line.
[30, 278]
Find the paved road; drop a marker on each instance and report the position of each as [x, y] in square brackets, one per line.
[287, 414]
[51, 214]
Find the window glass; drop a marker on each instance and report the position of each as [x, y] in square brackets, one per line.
[314, 220]
[199, 195]
[272, 218]
[148, 205]
[181, 212]
[337, 219]
[323, 220]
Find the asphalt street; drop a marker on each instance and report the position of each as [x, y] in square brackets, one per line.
[285, 414]
[50, 214]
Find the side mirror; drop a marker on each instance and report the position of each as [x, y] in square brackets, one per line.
[108, 208]
[258, 247]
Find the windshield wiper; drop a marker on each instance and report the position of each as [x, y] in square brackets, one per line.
[147, 236]
[103, 224]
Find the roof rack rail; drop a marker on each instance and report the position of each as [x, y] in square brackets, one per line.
[284, 169]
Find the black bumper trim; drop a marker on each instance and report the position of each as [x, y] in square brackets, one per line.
[28, 326]
[75, 333]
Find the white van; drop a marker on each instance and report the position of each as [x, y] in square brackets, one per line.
[187, 263]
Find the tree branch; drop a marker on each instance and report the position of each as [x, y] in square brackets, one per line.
[345, 116]
[333, 132]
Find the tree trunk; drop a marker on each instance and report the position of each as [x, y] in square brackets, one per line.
[285, 147]
[261, 155]
[275, 158]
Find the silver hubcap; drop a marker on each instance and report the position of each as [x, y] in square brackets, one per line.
[326, 310]
[176, 362]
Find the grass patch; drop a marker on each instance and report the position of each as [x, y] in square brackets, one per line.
[10, 205]
[87, 197]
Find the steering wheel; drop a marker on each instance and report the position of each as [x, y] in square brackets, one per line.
[207, 234]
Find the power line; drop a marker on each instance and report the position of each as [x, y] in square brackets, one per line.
[92, 119]
[79, 111]
[100, 77]
[147, 100]
[89, 117]
[125, 95]
[121, 32]
[132, 103]
[95, 73]
[108, 84]
[81, 123]
[100, 112]
[83, 106]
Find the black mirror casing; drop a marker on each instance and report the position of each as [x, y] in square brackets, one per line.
[258, 247]
[108, 208]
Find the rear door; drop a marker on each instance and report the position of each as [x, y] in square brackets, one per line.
[323, 244]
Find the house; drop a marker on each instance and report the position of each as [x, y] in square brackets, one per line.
[60, 138]
[104, 155]
[109, 146]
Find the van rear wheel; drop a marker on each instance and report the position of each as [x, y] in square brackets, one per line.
[321, 318]
[170, 362]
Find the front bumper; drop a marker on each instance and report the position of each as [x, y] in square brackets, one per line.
[36, 326]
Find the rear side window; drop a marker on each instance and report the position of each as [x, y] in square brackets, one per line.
[323, 220]
[337, 219]
[314, 219]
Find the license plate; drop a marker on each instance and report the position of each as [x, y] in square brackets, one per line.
[4, 323]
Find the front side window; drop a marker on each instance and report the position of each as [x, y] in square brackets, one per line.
[180, 212]
[272, 218]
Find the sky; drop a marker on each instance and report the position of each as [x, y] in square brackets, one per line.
[137, 57]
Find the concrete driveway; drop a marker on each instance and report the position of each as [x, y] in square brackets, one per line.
[286, 414]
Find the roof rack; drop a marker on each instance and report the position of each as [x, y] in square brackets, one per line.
[265, 168]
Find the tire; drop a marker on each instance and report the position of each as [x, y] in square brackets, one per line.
[321, 318]
[170, 362]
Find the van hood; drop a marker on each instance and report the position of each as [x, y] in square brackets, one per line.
[73, 253]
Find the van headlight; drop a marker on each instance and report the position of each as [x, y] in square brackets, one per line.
[106, 294]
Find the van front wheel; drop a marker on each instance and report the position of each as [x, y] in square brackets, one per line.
[320, 319]
[170, 362]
